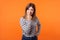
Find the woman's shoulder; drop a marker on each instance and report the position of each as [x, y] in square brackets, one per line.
[36, 19]
[21, 19]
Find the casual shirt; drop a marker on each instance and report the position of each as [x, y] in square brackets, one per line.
[29, 27]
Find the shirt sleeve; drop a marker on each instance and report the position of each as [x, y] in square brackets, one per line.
[25, 25]
[38, 25]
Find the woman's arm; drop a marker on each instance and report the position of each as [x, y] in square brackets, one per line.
[38, 25]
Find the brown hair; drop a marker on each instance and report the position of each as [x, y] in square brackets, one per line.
[27, 7]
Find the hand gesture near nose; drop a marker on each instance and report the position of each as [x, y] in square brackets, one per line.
[29, 17]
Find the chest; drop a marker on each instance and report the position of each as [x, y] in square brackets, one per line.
[33, 23]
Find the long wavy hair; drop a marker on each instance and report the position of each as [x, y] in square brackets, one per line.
[27, 7]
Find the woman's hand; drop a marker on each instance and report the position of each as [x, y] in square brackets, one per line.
[29, 17]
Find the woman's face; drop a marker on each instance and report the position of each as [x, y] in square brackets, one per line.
[30, 11]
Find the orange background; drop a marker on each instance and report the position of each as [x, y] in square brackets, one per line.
[48, 13]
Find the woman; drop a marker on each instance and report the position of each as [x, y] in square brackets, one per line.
[29, 22]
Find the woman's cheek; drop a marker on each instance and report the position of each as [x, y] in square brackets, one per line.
[31, 12]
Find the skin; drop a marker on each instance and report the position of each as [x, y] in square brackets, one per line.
[29, 13]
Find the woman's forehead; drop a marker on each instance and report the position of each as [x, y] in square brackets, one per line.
[30, 7]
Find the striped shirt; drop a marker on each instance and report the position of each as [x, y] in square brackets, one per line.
[29, 27]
